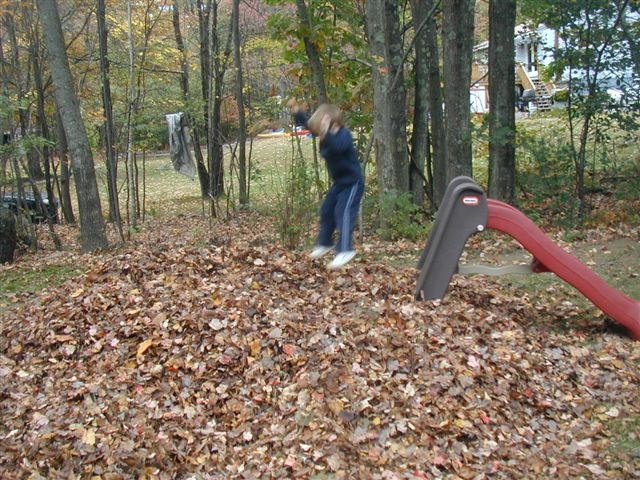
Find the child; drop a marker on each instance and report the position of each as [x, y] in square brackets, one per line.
[341, 204]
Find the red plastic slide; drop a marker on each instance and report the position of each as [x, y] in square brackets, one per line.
[612, 302]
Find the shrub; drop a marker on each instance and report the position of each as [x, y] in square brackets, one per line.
[400, 217]
[297, 204]
[546, 177]
[561, 95]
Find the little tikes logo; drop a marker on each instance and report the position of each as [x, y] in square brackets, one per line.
[471, 201]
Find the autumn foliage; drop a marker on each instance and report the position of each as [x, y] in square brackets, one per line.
[220, 354]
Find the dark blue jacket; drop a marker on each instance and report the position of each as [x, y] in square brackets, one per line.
[339, 153]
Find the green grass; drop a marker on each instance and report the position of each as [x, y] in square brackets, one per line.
[25, 281]
[166, 191]
[625, 435]
[169, 192]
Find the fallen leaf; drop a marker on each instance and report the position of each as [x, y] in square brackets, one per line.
[89, 436]
[255, 347]
[144, 346]
[289, 349]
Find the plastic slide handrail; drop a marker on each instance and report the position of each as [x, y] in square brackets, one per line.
[612, 302]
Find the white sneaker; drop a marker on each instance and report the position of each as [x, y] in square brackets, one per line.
[341, 259]
[319, 250]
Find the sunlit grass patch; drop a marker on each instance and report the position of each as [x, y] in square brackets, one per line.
[168, 192]
[625, 435]
[25, 281]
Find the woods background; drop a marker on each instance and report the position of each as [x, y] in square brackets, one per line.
[90, 82]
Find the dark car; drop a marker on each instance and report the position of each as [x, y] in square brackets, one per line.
[13, 202]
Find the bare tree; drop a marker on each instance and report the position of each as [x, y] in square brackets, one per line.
[112, 164]
[220, 54]
[35, 47]
[214, 57]
[420, 151]
[21, 73]
[38, 76]
[242, 128]
[427, 141]
[436, 114]
[132, 191]
[203, 174]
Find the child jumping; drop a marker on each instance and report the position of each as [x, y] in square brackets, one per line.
[341, 204]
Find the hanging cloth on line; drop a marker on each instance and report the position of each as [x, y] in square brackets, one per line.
[180, 145]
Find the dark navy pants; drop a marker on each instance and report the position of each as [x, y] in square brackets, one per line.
[339, 211]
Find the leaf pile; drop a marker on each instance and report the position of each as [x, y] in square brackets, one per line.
[231, 357]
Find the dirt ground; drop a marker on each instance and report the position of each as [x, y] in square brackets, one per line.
[615, 260]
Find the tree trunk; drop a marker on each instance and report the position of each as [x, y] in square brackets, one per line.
[4, 81]
[203, 174]
[20, 74]
[220, 58]
[502, 122]
[212, 75]
[42, 117]
[132, 190]
[216, 165]
[427, 91]
[389, 96]
[46, 149]
[42, 208]
[458, 48]
[242, 128]
[92, 228]
[112, 164]
[397, 97]
[312, 52]
[65, 174]
[205, 29]
[12, 159]
[420, 135]
[435, 110]
[23, 220]
[581, 164]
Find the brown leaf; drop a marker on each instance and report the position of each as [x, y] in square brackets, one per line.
[144, 346]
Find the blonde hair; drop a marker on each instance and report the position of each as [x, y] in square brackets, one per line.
[335, 114]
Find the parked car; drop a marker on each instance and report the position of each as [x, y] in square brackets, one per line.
[13, 202]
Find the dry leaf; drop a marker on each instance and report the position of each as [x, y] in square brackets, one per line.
[144, 346]
[89, 436]
[289, 349]
[279, 369]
